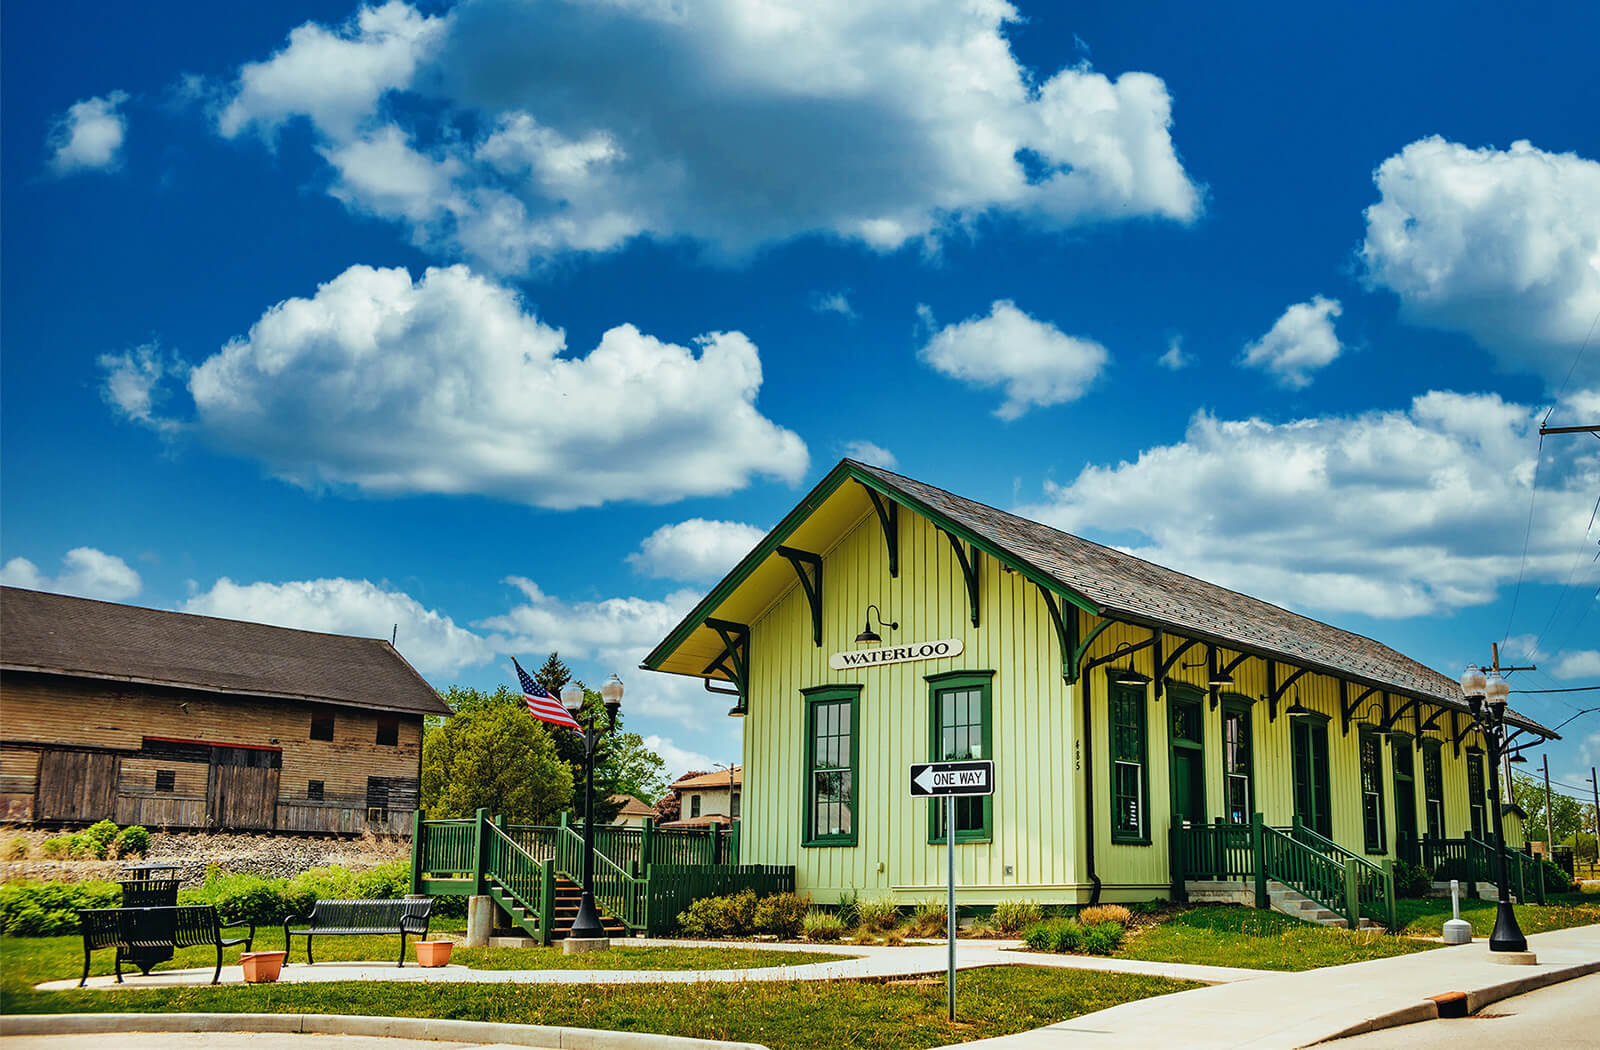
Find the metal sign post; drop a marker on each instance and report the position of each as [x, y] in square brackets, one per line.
[950, 779]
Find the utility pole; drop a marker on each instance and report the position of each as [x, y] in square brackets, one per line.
[1595, 785]
[1549, 818]
[1569, 430]
[1501, 672]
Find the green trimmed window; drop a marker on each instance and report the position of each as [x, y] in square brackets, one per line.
[961, 727]
[832, 747]
[1372, 790]
[1130, 788]
[1475, 794]
[1433, 788]
[1238, 771]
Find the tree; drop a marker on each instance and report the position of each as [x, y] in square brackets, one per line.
[1568, 815]
[627, 766]
[493, 755]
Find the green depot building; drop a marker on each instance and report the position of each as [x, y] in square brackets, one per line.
[1152, 734]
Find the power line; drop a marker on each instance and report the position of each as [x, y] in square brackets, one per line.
[1573, 689]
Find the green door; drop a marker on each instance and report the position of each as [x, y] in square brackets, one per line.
[1311, 787]
[1188, 763]
[1405, 801]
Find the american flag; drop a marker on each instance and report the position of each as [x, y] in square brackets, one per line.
[543, 704]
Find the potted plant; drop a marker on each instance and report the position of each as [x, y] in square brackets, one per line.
[434, 953]
[261, 967]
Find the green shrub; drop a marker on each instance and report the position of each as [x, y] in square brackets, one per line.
[58, 847]
[104, 833]
[241, 898]
[1099, 913]
[384, 882]
[782, 914]
[823, 926]
[1411, 880]
[929, 919]
[17, 848]
[1556, 879]
[1053, 935]
[849, 908]
[1101, 938]
[1012, 917]
[47, 909]
[83, 847]
[132, 841]
[879, 913]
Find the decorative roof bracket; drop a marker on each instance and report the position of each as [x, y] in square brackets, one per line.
[1066, 633]
[1276, 689]
[735, 652]
[1165, 663]
[1347, 709]
[969, 569]
[889, 517]
[811, 584]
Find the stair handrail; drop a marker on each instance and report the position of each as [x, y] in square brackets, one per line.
[521, 876]
[616, 889]
[1375, 881]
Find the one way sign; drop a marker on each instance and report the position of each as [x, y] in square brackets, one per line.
[930, 779]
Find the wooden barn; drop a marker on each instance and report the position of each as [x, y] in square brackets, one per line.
[172, 720]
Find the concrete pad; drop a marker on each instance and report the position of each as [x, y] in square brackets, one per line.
[584, 945]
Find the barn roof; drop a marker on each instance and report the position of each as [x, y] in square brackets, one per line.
[83, 638]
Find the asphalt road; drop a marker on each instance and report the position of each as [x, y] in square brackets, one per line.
[1565, 1016]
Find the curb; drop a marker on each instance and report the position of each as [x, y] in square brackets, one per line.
[1438, 1006]
[559, 1038]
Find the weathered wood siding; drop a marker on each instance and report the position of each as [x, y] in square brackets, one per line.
[57, 714]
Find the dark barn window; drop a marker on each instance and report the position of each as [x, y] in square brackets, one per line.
[388, 730]
[314, 790]
[166, 780]
[322, 727]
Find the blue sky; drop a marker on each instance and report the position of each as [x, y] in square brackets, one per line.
[513, 323]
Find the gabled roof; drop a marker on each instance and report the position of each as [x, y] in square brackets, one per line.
[1098, 579]
[716, 779]
[83, 638]
[632, 806]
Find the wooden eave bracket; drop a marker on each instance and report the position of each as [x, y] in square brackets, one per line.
[969, 570]
[889, 517]
[1119, 654]
[1347, 707]
[1083, 645]
[1398, 713]
[1276, 689]
[1166, 662]
[1458, 732]
[812, 585]
[1066, 633]
[735, 651]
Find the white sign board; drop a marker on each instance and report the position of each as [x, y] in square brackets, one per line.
[895, 654]
[973, 777]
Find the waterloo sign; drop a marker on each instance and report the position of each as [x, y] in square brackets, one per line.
[895, 654]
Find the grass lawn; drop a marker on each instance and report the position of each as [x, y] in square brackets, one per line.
[1425, 918]
[782, 1015]
[1233, 935]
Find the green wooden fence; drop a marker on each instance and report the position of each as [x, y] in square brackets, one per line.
[1470, 860]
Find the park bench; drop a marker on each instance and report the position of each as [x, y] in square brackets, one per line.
[140, 934]
[350, 918]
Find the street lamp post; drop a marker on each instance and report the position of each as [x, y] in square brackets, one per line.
[1486, 697]
[586, 926]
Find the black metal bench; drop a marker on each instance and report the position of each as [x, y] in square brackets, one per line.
[139, 934]
[349, 918]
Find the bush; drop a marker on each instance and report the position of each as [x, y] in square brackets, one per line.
[1012, 917]
[102, 834]
[46, 909]
[58, 847]
[17, 848]
[1411, 880]
[241, 898]
[384, 882]
[1556, 879]
[1053, 935]
[849, 908]
[1105, 913]
[929, 919]
[132, 841]
[782, 914]
[1101, 938]
[880, 913]
[823, 926]
[720, 916]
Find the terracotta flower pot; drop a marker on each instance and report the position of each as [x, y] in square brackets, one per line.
[261, 967]
[434, 953]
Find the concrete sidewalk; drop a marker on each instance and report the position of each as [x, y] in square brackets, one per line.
[1290, 1010]
[870, 963]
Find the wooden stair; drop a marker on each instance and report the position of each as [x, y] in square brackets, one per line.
[568, 897]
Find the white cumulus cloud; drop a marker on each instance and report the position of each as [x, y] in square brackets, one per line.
[1300, 342]
[1503, 245]
[447, 385]
[1034, 361]
[86, 572]
[1382, 513]
[867, 452]
[680, 760]
[695, 550]
[521, 131]
[89, 135]
[429, 640]
[834, 303]
[1175, 360]
[1578, 663]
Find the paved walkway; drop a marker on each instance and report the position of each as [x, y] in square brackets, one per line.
[870, 962]
[1289, 1010]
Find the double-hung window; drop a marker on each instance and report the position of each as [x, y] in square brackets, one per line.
[832, 746]
[1238, 788]
[1433, 788]
[1475, 796]
[1372, 790]
[961, 728]
[1130, 792]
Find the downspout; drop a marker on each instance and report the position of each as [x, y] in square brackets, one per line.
[1088, 791]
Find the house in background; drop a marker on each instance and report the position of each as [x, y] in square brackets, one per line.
[707, 798]
[172, 720]
[632, 812]
[1127, 708]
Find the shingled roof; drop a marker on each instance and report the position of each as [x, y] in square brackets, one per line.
[1125, 587]
[83, 638]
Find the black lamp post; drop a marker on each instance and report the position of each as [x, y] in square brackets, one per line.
[586, 926]
[1486, 697]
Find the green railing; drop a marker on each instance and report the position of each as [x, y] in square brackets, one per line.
[444, 853]
[1374, 882]
[634, 849]
[529, 882]
[1307, 871]
[1470, 860]
[671, 888]
[615, 890]
[1215, 851]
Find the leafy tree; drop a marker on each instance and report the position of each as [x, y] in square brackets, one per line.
[493, 755]
[1568, 815]
[627, 766]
